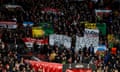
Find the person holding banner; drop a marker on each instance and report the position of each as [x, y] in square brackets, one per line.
[84, 49]
[91, 50]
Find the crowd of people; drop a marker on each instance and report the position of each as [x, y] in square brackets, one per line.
[67, 21]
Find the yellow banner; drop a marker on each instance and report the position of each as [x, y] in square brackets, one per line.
[90, 25]
[37, 32]
[110, 37]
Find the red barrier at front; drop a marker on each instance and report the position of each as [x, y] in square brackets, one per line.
[53, 67]
[46, 66]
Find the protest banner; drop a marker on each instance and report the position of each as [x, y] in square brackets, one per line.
[47, 28]
[91, 33]
[100, 50]
[30, 41]
[58, 40]
[51, 39]
[91, 36]
[28, 23]
[102, 28]
[50, 10]
[37, 32]
[79, 43]
[8, 24]
[67, 41]
[90, 25]
[102, 12]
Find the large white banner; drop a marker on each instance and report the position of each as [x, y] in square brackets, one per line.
[58, 40]
[8, 24]
[91, 36]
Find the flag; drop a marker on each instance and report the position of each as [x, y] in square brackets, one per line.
[8, 24]
[30, 41]
[28, 23]
[47, 28]
[37, 32]
[102, 28]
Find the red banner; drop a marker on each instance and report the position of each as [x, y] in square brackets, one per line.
[53, 67]
[30, 41]
[46, 66]
[51, 10]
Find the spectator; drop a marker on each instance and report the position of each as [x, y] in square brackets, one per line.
[91, 50]
[66, 20]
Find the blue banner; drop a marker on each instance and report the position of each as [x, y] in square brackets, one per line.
[28, 23]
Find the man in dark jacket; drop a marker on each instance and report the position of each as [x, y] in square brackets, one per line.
[91, 50]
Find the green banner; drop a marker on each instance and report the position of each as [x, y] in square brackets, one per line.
[47, 28]
[102, 28]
